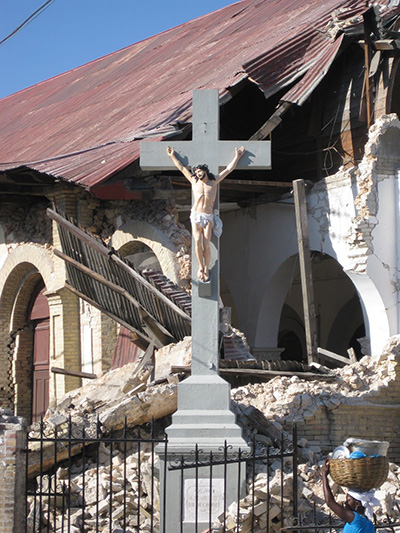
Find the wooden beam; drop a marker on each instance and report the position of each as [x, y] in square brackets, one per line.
[352, 355]
[86, 375]
[144, 340]
[255, 372]
[383, 44]
[250, 183]
[334, 356]
[274, 120]
[305, 269]
[107, 252]
[367, 59]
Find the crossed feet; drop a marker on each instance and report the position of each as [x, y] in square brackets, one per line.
[203, 274]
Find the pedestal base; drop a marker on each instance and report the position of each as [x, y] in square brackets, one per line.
[204, 419]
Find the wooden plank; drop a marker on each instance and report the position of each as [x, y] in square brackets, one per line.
[255, 372]
[250, 183]
[143, 339]
[77, 232]
[75, 373]
[305, 269]
[352, 355]
[103, 250]
[331, 355]
[367, 58]
[383, 44]
[273, 121]
[155, 292]
[97, 277]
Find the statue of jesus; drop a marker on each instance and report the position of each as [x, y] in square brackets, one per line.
[202, 216]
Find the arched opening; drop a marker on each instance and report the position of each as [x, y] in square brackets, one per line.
[291, 336]
[141, 256]
[338, 311]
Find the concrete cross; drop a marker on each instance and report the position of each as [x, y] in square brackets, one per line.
[205, 148]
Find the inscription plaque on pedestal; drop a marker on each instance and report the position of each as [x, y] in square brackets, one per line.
[203, 500]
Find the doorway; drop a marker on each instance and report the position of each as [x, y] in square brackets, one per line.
[39, 317]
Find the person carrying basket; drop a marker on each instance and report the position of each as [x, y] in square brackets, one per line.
[357, 512]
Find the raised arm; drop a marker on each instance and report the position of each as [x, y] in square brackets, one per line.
[345, 514]
[185, 171]
[239, 152]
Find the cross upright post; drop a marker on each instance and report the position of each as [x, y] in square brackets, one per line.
[203, 417]
[205, 147]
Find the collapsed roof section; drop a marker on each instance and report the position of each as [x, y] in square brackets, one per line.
[84, 126]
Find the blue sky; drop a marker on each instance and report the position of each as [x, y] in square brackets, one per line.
[70, 33]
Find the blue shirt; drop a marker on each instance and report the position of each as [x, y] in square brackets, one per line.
[360, 524]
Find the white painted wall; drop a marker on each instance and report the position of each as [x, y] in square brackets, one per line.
[254, 245]
[354, 217]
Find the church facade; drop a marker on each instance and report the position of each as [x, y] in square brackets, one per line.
[328, 98]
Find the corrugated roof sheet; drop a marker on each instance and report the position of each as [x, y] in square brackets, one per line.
[83, 126]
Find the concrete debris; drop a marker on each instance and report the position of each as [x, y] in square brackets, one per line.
[286, 399]
[262, 409]
[78, 486]
[118, 396]
[172, 355]
[310, 497]
[91, 484]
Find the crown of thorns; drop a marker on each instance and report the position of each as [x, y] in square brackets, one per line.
[202, 167]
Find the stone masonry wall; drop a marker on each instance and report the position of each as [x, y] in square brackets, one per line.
[362, 402]
[12, 467]
[161, 214]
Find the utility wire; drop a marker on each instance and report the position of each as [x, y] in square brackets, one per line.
[27, 21]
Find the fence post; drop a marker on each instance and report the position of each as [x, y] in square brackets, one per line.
[13, 472]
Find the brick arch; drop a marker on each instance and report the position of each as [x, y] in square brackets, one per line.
[155, 239]
[21, 272]
[23, 259]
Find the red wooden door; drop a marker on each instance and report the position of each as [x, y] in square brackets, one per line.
[41, 356]
[41, 375]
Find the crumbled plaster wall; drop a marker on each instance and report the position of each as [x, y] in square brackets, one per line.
[25, 224]
[346, 205]
[110, 216]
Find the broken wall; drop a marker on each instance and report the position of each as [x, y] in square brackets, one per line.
[361, 402]
[352, 218]
[81, 338]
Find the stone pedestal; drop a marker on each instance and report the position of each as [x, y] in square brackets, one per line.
[204, 419]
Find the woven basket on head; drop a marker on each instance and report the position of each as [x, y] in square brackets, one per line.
[361, 474]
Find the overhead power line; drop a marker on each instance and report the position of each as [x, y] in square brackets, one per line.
[27, 21]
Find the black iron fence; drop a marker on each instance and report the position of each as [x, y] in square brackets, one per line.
[79, 480]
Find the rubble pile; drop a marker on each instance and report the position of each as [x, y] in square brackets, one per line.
[311, 503]
[142, 494]
[127, 476]
[290, 398]
[278, 401]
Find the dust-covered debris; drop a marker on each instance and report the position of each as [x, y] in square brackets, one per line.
[286, 399]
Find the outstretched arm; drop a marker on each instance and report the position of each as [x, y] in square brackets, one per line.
[232, 165]
[345, 514]
[185, 171]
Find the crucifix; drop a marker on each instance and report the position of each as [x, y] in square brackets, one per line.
[205, 148]
[204, 417]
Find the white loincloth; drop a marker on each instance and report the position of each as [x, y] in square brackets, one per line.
[202, 219]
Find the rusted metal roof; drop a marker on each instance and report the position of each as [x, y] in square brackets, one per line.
[84, 126]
